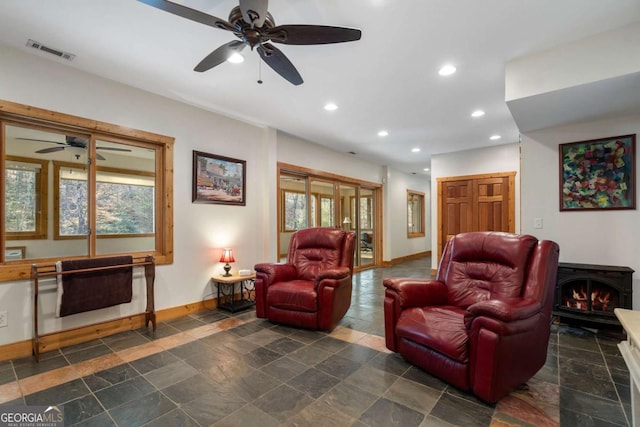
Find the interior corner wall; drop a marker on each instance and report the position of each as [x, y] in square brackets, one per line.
[200, 230]
[586, 237]
[499, 158]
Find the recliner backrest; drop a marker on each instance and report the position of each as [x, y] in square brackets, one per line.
[480, 266]
[312, 250]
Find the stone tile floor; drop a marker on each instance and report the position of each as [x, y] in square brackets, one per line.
[213, 368]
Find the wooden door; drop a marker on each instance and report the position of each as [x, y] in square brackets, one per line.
[475, 203]
[492, 197]
[457, 199]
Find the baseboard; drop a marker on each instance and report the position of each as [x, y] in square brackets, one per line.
[55, 340]
[406, 258]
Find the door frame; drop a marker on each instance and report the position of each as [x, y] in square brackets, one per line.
[511, 202]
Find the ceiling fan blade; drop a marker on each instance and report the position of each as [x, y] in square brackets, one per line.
[279, 63]
[192, 14]
[43, 140]
[312, 34]
[50, 150]
[113, 149]
[219, 55]
[254, 12]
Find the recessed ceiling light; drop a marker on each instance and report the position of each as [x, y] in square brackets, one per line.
[426, 169]
[236, 58]
[383, 133]
[477, 113]
[447, 70]
[330, 106]
[415, 150]
[494, 137]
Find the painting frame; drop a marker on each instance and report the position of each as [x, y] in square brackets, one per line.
[218, 179]
[598, 174]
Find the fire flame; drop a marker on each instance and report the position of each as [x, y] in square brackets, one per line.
[600, 300]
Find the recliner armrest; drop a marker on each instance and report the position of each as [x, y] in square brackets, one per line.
[337, 274]
[412, 292]
[274, 272]
[507, 310]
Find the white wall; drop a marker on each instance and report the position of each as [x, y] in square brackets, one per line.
[200, 230]
[586, 237]
[499, 158]
[396, 242]
[300, 152]
[592, 59]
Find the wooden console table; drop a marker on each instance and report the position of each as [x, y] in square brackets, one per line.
[630, 350]
[226, 292]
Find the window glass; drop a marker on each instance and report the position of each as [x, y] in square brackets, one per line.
[295, 210]
[70, 192]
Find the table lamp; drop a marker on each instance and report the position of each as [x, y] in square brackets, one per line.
[227, 256]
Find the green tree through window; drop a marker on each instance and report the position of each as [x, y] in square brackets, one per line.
[20, 200]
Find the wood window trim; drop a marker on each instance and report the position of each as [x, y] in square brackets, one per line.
[42, 208]
[295, 170]
[421, 232]
[21, 114]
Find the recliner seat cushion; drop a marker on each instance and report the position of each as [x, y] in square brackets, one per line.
[296, 295]
[440, 328]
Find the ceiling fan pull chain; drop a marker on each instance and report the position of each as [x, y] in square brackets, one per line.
[260, 72]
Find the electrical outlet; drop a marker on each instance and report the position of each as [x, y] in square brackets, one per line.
[3, 319]
[537, 223]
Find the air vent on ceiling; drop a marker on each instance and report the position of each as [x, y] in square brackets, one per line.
[57, 52]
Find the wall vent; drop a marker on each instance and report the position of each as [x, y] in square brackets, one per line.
[57, 52]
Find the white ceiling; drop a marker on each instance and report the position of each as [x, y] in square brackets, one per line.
[387, 80]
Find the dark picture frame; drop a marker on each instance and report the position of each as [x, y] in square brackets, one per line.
[598, 174]
[218, 179]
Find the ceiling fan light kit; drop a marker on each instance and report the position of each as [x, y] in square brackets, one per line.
[251, 22]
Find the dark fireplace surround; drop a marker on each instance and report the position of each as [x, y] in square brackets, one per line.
[586, 294]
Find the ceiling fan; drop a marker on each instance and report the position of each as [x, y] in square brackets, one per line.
[71, 141]
[254, 26]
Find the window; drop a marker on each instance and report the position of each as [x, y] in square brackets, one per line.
[415, 214]
[295, 210]
[124, 202]
[25, 185]
[312, 198]
[110, 190]
[326, 211]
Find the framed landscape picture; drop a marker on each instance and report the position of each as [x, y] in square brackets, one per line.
[598, 174]
[218, 179]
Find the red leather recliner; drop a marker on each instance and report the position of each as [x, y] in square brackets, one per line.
[483, 324]
[313, 288]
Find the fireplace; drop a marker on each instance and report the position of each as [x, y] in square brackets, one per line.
[587, 294]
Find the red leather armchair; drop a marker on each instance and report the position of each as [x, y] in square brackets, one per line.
[313, 288]
[483, 324]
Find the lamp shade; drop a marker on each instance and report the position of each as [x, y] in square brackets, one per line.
[346, 220]
[227, 255]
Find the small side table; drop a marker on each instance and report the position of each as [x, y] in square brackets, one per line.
[630, 320]
[226, 292]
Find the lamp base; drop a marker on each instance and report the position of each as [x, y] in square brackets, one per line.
[226, 267]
